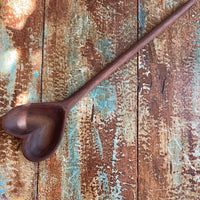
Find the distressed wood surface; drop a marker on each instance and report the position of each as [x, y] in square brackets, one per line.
[169, 115]
[21, 23]
[136, 135]
[97, 157]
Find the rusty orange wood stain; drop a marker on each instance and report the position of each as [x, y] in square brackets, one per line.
[136, 135]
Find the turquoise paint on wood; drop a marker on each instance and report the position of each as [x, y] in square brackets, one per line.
[175, 150]
[71, 175]
[3, 182]
[196, 78]
[175, 133]
[103, 184]
[77, 32]
[116, 191]
[2, 186]
[105, 48]
[8, 60]
[97, 141]
[36, 74]
[103, 101]
[71, 178]
[104, 97]
[196, 104]
[6, 56]
[33, 91]
[142, 17]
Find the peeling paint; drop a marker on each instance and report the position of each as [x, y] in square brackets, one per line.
[71, 178]
[196, 72]
[18, 178]
[36, 74]
[33, 89]
[196, 104]
[176, 155]
[80, 42]
[142, 17]
[103, 100]
[103, 184]
[169, 143]
[3, 186]
[97, 140]
[8, 59]
[104, 46]
[116, 191]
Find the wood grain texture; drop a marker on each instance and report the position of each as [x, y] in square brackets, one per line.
[21, 25]
[97, 157]
[169, 105]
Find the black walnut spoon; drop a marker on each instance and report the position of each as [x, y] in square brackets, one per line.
[41, 125]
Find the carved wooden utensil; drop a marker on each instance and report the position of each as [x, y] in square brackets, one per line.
[41, 125]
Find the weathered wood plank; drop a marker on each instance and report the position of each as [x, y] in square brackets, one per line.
[97, 157]
[21, 25]
[169, 105]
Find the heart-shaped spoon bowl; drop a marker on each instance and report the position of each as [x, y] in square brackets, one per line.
[40, 125]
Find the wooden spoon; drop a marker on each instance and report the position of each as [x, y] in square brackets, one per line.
[41, 125]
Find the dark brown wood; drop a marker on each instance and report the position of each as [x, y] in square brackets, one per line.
[41, 126]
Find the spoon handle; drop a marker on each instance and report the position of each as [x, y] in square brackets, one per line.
[121, 60]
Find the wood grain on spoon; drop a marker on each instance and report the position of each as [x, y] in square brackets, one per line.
[41, 125]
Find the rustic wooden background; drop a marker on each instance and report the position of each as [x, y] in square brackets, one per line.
[136, 135]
